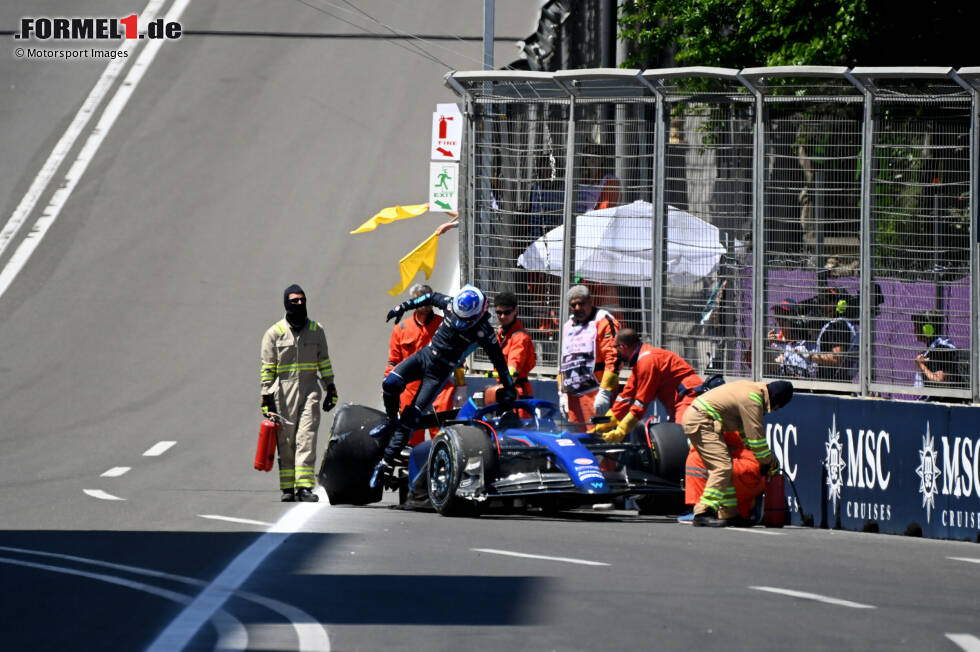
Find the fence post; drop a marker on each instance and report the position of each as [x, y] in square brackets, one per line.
[758, 229]
[864, 251]
[972, 84]
[659, 208]
[568, 241]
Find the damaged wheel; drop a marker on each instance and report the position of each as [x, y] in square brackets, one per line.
[461, 459]
[350, 457]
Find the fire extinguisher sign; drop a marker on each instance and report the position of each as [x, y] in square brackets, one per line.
[447, 133]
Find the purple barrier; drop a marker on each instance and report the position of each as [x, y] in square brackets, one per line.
[894, 342]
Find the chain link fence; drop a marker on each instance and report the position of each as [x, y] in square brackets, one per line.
[818, 223]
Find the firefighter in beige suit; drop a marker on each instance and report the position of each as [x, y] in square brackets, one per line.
[738, 406]
[294, 354]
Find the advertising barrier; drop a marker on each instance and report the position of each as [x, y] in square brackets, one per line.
[878, 465]
[899, 467]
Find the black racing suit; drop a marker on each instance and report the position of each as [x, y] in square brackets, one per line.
[433, 365]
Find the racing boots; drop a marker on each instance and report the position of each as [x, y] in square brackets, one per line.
[384, 431]
[304, 495]
[382, 471]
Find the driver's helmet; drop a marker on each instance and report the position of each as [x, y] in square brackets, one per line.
[468, 306]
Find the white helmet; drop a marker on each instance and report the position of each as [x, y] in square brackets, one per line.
[468, 306]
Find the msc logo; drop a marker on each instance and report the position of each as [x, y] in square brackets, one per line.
[928, 473]
[781, 440]
[961, 467]
[834, 463]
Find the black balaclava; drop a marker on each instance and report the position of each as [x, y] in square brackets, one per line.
[295, 312]
[780, 393]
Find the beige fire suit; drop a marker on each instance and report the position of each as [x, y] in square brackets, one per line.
[740, 405]
[291, 362]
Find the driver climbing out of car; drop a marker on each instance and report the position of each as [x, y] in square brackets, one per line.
[466, 325]
[737, 406]
[656, 374]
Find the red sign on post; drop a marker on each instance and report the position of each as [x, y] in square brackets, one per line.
[447, 133]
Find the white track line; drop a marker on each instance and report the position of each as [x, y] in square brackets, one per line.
[967, 642]
[116, 471]
[183, 628]
[101, 495]
[755, 530]
[232, 519]
[969, 559]
[98, 134]
[815, 597]
[231, 633]
[567, 560]
[67, 140]
[158, 448]
[312, 637]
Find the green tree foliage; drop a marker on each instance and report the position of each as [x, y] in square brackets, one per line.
[748, 33]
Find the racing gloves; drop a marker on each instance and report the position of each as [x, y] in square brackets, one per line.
[330, 401]
[396, 313]
[507, 395]
[604, 398]
[268, 405]
[622, 429]
[399, 310]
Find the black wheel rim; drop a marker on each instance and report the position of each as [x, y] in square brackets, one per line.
[440, 474]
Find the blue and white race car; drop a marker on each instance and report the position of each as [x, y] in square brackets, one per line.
[521, 455]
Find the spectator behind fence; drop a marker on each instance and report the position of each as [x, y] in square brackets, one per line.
[940, 364]
[835, 351]
[791, 356]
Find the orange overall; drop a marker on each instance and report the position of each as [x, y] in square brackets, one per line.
[657, 374]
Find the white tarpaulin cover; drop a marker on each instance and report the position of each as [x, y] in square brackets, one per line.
[614, 245]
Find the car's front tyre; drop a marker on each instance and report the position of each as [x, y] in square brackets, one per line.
[459, 455]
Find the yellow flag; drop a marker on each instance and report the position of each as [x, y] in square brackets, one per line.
[422, 258]
[391, 214]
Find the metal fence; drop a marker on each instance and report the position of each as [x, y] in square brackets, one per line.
[753, 221]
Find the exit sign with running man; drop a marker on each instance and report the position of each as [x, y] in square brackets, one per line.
[443, 186]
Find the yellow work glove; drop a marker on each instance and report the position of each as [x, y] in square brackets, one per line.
[610, 381]
[622, 429]
[606, 427]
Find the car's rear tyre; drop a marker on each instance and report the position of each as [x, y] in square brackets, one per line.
[669, 448]
[451, 450]
[350, 457]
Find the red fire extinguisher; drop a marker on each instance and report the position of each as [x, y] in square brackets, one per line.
[265, 452]
[775, 503]
[443, 126]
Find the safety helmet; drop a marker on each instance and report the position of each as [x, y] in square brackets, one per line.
[468, 306]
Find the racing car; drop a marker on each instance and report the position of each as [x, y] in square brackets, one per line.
[508, 456]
